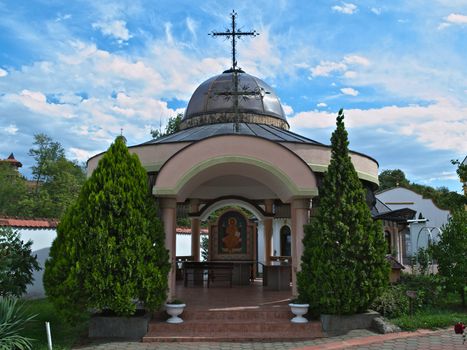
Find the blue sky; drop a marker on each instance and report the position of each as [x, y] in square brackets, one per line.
[80, 71]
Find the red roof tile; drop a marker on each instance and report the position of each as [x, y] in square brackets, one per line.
[28, 223]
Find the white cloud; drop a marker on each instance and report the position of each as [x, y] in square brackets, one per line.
[11, 129]
[325, 68]
[321, 105]
[288, 110]
[81, 154]
[377, 11]
[357, 60]
[440, 126]
[114, 28]
[168, 33]
[350, 74]
[349, 91]
[192, 26]
[456, 18]
[346, 8]
[3, 73]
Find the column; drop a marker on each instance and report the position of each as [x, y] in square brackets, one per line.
[195, 230]
[299, 216]
[169, 217]
[267, 223]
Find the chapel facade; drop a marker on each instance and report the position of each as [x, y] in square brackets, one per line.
[235, 149]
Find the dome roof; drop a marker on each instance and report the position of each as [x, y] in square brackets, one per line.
[213, 102]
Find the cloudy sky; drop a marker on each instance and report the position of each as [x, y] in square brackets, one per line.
[80, 71]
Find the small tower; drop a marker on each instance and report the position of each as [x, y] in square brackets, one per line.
[12, 161]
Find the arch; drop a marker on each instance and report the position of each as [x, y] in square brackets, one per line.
[275, 166]
[224, 202]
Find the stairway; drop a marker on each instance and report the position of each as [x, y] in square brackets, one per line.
[256, 323]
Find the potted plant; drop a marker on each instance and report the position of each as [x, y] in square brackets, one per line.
[175, 308]
[298, 308]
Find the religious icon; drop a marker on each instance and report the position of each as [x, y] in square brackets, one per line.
[232, 239]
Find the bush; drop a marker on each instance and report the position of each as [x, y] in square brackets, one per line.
[343, 266]
[427, 287]
[12, 321]
[16, 263]
[392, 303]
[109, 251]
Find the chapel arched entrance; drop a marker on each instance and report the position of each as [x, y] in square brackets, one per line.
[220, 170]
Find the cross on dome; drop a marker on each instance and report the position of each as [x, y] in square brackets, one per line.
[233, 34]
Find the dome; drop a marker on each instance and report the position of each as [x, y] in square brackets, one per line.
[213, 102]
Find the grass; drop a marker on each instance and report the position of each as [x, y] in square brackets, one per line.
[64, 335]
[431, 318]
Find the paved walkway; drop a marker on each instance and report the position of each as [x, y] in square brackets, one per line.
[360, 339]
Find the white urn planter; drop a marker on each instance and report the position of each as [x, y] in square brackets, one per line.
[299, 310]
[174, 310]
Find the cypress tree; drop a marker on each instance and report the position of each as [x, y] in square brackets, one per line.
[109, 251]
[343, 265]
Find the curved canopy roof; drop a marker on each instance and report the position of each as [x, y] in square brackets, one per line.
[269, 132]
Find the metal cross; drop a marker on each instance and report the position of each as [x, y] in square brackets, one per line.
[233, 34]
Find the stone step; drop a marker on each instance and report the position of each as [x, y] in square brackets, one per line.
[243, 315]
[234, 332]
[232, 326]
[231, 337]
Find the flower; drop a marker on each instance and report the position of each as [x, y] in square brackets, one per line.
[459, 328]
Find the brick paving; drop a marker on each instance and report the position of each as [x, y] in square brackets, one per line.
[359, 339]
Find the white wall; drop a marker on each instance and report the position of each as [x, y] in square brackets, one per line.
[399, 197]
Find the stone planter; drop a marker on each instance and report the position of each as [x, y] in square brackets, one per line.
[341, 324]
[129, 328]
[299, 310]
[174, 310]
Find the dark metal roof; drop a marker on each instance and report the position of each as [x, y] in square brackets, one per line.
[268, 132]
[212, 96]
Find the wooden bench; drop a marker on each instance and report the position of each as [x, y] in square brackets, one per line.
[214, 272]
[179, 260]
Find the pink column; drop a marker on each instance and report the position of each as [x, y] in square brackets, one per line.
[267, 222]
[195, 227]
[299, 216]
[169, 217]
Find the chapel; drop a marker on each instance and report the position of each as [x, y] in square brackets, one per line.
[235, 149]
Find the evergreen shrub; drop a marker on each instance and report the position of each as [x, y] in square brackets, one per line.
[109, 252]
[343, 266]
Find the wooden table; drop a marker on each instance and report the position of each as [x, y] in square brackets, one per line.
[276, 276]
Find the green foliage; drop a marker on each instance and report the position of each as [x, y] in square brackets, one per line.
[343, 265]
[13, 318]
[57, 182]
[430, 318]
[109, 249]
[461, 170]
[428, 289]
[205, 248]
[451, 253]
[392, 302]
[12, 190]
[392, 178]
[64, 334]
[173, 126]
[16, 263]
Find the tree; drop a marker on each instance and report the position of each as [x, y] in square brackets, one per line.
[173, 126]
[109, 249]
[45, 154]
[12, 191]
[392, 178]
[16, 263]
[343, 266]
[451, 253]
